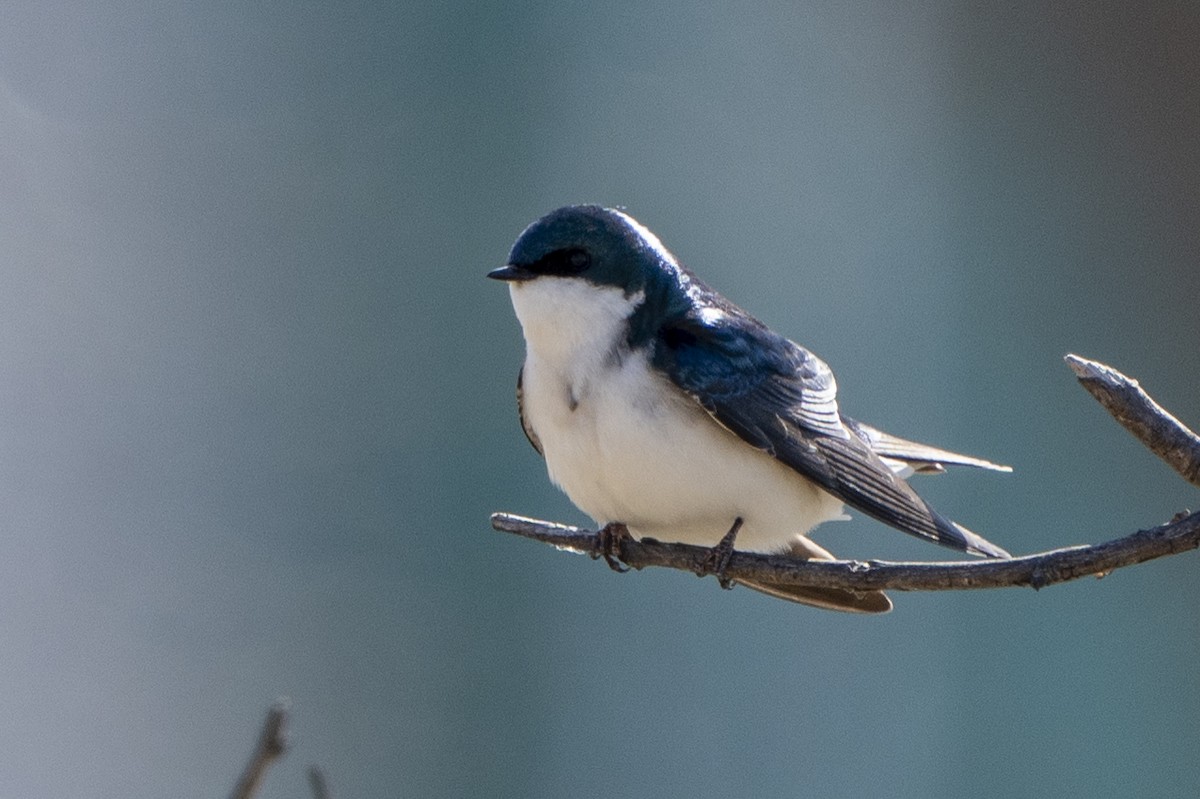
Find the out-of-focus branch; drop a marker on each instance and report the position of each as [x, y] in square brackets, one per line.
[1132, 407]
[272, 743]
[317, 783]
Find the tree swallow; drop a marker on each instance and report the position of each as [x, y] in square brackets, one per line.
[660, 405]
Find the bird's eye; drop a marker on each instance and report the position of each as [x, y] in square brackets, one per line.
[579, 260]
[565, 262]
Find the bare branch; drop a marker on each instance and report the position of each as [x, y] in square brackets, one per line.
[1037, 571]
[1121, 396]
[272, 743]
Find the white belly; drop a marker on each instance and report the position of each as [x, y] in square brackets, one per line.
[626, 447]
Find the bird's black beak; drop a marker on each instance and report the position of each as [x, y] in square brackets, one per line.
[512, 273]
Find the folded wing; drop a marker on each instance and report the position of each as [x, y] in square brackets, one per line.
[782, 399]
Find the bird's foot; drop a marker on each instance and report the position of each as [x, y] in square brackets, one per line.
[608, 545]
[717, 559]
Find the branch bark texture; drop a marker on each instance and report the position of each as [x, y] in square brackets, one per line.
[1122, 397]
[1162, 433]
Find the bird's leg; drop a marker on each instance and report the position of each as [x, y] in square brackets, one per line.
[718, 557]
[608, 543]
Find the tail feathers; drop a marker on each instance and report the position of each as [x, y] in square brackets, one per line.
[826, 598]
[951, 534]
[921, 458]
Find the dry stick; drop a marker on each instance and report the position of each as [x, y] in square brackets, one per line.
[272, 742]
[1122, 397]
[1164, 434]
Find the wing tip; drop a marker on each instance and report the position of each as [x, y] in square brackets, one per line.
[976, 544]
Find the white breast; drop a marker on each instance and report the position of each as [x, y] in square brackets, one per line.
[626, 445]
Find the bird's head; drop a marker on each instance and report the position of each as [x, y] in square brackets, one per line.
[585, 270]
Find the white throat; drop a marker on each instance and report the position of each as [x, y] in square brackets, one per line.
[570, 324]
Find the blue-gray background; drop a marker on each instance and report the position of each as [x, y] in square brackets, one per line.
[256, 395]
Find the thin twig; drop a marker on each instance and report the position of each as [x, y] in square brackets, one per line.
[272, 743]
[1131, 406]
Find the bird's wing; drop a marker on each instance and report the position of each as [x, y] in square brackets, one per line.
[782, 399]
[525, 425]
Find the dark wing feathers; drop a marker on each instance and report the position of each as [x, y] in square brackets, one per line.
[525, 425]
[723, 365]
[780, 398]
[863, 481]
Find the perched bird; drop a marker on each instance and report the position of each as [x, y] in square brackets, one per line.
[660, 405]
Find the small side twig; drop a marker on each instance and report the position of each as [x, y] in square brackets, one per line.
[1158, 429]
[272, 743]
[1138, 413]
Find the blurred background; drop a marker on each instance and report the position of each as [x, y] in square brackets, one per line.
[256, 396]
